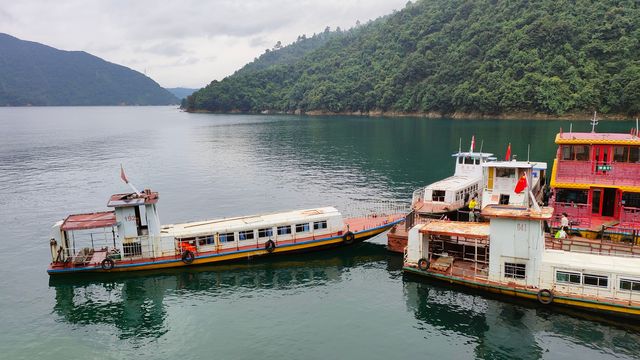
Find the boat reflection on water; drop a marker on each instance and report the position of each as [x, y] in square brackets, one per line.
[134, 303]
[512, 329]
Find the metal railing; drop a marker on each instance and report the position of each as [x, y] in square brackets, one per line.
[368, 208]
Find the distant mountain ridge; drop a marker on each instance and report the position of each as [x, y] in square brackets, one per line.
[181, 92]
[35, 74]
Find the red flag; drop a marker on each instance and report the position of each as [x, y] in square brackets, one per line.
[521, 185]
[473, 143]
[507, 156]
[123, 176]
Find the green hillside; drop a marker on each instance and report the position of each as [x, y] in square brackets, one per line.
[36, 74]
[445, 56]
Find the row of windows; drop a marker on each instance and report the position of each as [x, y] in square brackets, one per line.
[518, 271]
[570, 277]
[468, 160]
[465, 194]
[620, 153]
[262, 233]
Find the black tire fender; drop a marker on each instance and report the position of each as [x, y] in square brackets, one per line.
[188, 257]
[348, 238]
[107, 264]
[545, 296]
[423, 264]
[270, 246]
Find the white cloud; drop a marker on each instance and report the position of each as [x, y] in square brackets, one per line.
[180, 43]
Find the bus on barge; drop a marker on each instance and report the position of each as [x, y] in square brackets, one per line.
[130, 237]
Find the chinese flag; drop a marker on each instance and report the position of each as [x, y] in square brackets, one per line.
[521, 185]
[507, 156]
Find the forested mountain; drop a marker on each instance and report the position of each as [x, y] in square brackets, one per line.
[36, 74]
[445, 56]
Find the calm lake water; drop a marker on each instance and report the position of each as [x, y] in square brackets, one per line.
[351, 303]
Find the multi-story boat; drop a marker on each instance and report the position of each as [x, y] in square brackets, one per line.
[512, 255]
[130, 237]
[497, 185]
[596, 181]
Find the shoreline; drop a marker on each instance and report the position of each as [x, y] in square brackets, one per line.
[433, 115]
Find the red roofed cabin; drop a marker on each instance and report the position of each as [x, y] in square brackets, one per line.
[596, 180]
[79, 236]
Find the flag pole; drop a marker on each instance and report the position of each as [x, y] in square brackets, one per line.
[124, 178]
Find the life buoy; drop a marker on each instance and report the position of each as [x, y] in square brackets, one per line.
[108, 264]
[188, 256]
[423, 264]
[545, 296]
[270, 246]
[348, 238]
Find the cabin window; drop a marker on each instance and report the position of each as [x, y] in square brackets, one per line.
[629, 284]
[245, 235]
[460, 159]
[620, 153]
[228, 237]
[284, 230]
[132, 249]
[575, 152]
[504, 199]
[302, 227]
[468, 160]
[437, 195]
[572, 196]
[264, 233]
[595, 280]
[505, 173]
[515, 271]
[320, 225]
[206, 240]
[568, 277]
[634, 154]
[630, 199]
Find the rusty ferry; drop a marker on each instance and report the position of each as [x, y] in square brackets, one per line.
[130, 237]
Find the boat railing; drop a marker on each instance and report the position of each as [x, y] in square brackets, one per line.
[630, 217]
[417, 197]
[624, 248]
[598, 172]
[579, 214]
[371, 209]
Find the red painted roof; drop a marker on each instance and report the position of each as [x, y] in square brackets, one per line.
[596, 138]
[89, 221]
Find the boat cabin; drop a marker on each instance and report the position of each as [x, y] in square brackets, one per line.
[448, 195]
[501, 177]
[596, 179]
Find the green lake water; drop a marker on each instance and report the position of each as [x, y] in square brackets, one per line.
[349, 303]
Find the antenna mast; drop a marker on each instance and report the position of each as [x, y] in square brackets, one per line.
[594, 121]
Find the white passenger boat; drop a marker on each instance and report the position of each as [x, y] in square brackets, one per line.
[511, 255]
[447, 196]
[130, 237]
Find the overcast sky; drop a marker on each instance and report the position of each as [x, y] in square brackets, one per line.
[180, 43]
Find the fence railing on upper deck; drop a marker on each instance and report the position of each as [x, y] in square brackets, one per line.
[592, 172]
[373, 208]
[579, 214]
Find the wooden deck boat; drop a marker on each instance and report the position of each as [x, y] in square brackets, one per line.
[513, 256]
[596, 182]
[130, 237]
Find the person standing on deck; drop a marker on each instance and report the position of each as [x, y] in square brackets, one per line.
[472, 208]
[564, 222]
